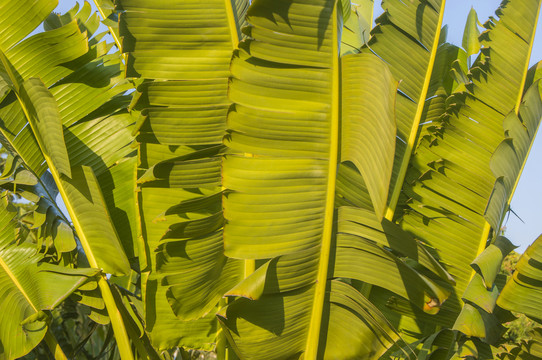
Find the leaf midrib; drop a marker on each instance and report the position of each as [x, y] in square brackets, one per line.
[398, 185]
[311, 350]
[232, 24]
[249, 265]
[17, 283]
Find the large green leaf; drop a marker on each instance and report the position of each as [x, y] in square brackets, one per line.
[46, 52]
[42, 108]
[78, 105]
[66, 48]
[282, 183]
[478, 317]
[183, 50]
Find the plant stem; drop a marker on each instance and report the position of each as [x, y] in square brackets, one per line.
[53, 345]
[121, 336]
[111, 31]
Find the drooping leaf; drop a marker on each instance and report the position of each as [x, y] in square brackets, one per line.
[93, 223]
[361, 134]
[28, 287]
[87, 88]
[471, 43]
[37, 56]
[523, 291]
[41, 106]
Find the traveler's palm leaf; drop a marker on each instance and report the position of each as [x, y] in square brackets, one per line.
[281, 177]
[464, 173]
[182, 107]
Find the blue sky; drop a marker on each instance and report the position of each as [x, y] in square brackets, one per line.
[529, 192]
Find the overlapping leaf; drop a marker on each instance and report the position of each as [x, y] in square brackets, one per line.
[477, 317]
[357, 28]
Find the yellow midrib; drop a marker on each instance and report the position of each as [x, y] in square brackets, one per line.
[249, 265]
[42, 148]
[234, 33]
[520, 97]
[394, 198]
[311, 349]
[7, 67]
[114, 314]
[53, 345]
[17, 283]
[56, 176]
